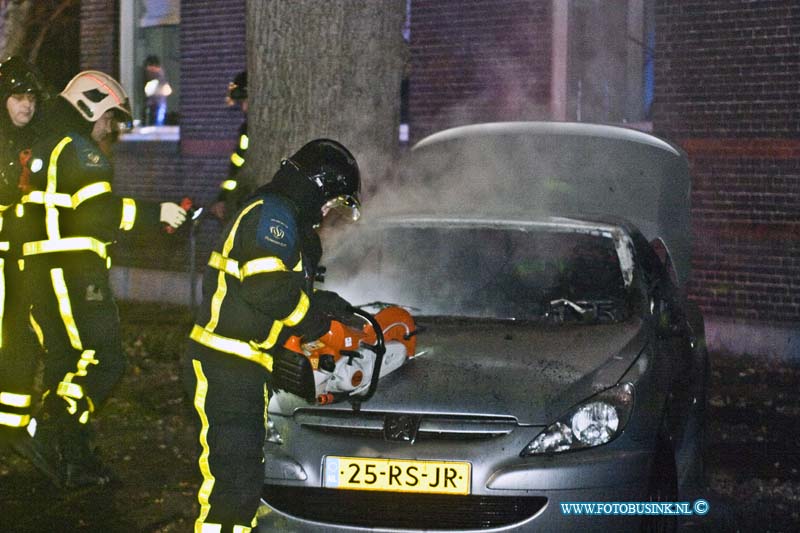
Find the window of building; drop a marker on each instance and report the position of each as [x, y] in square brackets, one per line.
[150, 66]
[607, 70]
[405, 119]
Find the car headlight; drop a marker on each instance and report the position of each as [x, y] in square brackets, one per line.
[593, 422]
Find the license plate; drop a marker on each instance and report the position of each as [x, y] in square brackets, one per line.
[397, 475]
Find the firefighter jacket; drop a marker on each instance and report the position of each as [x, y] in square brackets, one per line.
[9, 191]
[255, 289]
[14, 144]
[18, 347]
[69, 211]
[231, 188]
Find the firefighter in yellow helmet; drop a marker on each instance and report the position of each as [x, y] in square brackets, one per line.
[69, 217]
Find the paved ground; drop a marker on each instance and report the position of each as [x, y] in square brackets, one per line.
[146, 436]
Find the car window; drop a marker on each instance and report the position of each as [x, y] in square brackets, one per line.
[465, 270]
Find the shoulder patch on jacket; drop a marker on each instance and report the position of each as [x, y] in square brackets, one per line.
[88, 154]
[277, 229]
[92, 158]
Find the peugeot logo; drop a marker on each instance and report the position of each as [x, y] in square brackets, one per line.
[401, 428]
[276, 232]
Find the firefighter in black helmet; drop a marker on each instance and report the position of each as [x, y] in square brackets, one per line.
[258, 290]
[232, 191]
[69, 216]
[22, 94]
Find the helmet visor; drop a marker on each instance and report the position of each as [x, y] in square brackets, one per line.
[346, 205]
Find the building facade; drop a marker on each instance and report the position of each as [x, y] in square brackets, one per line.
[721, 78]
[728, 91]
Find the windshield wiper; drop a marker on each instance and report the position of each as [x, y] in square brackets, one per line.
[584, 310]
[559, 310]
[605, 310]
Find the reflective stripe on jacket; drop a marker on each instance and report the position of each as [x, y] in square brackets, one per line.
[71, 206]
[252, 298]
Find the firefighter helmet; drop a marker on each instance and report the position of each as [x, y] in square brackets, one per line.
[237, 89]
[334, 170]
[93, 93]
[17, 76]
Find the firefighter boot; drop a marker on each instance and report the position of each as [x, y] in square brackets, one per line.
[81, 466]
[37, 452]
[50, 422]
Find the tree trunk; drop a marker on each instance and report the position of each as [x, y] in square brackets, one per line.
[325, 68]
[14, 18]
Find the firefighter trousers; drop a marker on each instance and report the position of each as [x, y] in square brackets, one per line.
[78, 322]
[229, 395]
[18, 350]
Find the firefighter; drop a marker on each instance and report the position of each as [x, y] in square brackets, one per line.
[233, 190]
[69, 217]
[22, 93]
[258, 290]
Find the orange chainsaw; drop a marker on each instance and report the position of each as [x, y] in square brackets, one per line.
[347, 362]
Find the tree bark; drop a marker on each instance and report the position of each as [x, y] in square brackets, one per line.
[14, 19]
[52, 17]
[325, 68]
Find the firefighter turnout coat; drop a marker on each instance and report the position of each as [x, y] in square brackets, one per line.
[18, 347]
[69, 217]
[255, 293]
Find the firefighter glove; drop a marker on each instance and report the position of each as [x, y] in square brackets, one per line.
[172, 214]
[332, 304]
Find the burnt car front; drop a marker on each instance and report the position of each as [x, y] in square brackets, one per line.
[556, 362]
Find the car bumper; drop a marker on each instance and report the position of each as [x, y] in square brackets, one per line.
[601, 475]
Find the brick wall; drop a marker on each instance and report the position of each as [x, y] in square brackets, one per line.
[99, 50]
[212, 53]
[478, 60]
[728, 90]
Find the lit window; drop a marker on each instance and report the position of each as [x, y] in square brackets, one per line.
[607, 62]
[150, 66]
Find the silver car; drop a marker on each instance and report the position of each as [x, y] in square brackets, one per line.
[557, 359]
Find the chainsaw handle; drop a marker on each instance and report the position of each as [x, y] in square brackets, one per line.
[379, 348]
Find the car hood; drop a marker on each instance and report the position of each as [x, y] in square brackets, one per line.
[556, 168]
[533, 374]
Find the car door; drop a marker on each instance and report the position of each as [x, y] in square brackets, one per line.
[672, 335]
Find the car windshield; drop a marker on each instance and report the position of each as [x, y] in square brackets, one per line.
[467, 270]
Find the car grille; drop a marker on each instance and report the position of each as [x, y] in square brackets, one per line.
[431, 427]
[402, 510]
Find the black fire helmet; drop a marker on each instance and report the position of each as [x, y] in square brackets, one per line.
[334, 171]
